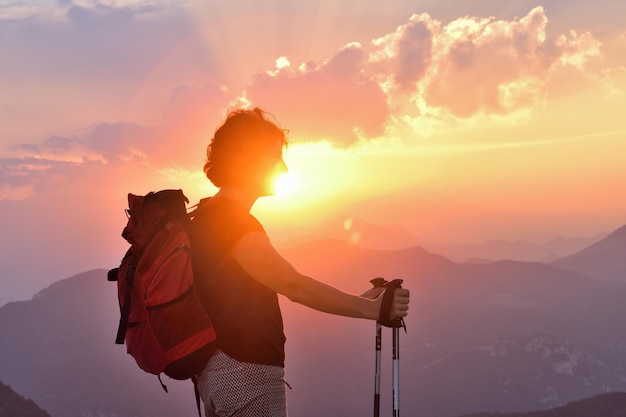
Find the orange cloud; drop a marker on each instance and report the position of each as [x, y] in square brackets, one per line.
[476, 65]
[468, 66]
[427, 69]
[495, 66]
[189, 119]
[332, 100]
[400, 59]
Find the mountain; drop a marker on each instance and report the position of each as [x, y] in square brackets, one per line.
[604, 405]
[393, 237]
[506, 336]
[14, 405]
[58, 349]
[605, 259]
[520, 250]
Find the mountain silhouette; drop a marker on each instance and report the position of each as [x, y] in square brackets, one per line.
[14, 405]
[498, 249]
[605, 259]
[505, 336]
[502, 336]
[59, 350]
[393, 237]
[605, 405]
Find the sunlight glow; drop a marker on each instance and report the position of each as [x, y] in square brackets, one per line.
[285, 185]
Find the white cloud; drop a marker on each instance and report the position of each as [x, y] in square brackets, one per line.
[475, 65]
[403, 57]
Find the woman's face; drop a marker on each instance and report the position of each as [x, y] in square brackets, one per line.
[271, 167]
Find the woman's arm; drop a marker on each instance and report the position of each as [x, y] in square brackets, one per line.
[256, 255]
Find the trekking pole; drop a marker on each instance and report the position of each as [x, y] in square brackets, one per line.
[396, 372]
[396, 324]
[377, 283]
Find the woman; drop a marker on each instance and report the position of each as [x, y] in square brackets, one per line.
[240, 274]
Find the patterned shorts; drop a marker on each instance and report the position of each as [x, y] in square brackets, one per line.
[230, 388]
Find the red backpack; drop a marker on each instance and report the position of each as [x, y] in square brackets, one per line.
[163, 323]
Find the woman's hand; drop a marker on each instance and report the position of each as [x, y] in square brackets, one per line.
[399, 305]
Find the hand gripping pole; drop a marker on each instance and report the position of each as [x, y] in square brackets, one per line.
[395, 324]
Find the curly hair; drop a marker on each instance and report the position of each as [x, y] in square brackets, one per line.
[235, 149]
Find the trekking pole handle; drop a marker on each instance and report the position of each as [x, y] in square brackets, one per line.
[390, 288]
[378, 282]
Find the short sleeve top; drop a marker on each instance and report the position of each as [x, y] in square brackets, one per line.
[246, 314]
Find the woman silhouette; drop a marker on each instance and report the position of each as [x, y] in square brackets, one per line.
[239, 274]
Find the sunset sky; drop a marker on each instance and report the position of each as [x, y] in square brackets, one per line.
[459, 121]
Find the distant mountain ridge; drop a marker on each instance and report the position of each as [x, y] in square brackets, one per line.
[393, 237]
[605, 405]
[14, 405]
[533, 336]
[519, 250]
[605, 259]
[61, 353]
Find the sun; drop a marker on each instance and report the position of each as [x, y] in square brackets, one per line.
[285, 185]
[319, 180]
[315, 172]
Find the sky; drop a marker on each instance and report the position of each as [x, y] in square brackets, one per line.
[459, 121]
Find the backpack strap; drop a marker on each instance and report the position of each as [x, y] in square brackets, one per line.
[125, 314]
[162, 384]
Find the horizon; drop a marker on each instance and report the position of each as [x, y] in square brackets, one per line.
[348, 237]
[459, 125]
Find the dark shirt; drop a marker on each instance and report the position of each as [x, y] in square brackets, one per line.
[246, 315]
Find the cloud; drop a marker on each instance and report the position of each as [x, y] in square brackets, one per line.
[473, 65]
[61, 10]
[97, 42]
[198, 106]
[476, 58]
[96, 61]
[403, 57]
[178, 143]
[21, 178]
[426, 69]
[66, 163]
[189, 120]
[106, 142]
[334, 100]
[466, 67]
